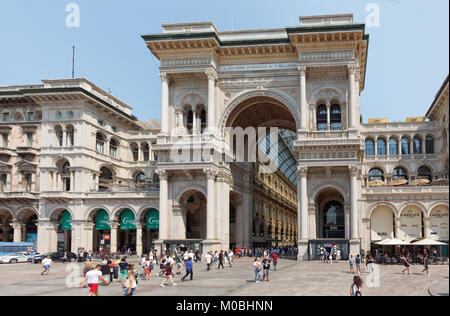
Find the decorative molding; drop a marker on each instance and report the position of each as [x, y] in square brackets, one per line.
[326, 55]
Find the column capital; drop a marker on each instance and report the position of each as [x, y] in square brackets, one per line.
[164, 77]
[302, 171]
[163, 174]
[302, 70]
[352, 69]
[211, 74]
[354, 171]
[210, 174]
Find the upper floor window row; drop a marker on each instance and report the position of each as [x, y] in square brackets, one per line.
[68, 115]
[332, 119]
[19, 117]
[406, 146]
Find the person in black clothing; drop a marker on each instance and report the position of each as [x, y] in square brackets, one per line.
[266, 268]
[221, 258]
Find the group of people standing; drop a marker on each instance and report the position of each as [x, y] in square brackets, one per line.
[263, 267]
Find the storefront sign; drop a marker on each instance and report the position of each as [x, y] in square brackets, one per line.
[127, 220]
[439, 224]
[411, 224]
[102, 222]
[66, 220]
[152, 219]
[107, 237]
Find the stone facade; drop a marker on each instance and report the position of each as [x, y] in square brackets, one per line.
[353, 184]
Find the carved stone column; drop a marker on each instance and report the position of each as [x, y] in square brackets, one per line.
[351, 96]
[212, 76]
[303, 100]
[163, 204]
[210, 204]
[164, 103]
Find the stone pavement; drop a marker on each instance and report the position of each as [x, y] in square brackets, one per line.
[292, 278]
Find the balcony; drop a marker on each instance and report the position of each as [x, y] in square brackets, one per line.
[6, 151]
[19, 196]
[27, 150]
[401, 157]
[407, 190]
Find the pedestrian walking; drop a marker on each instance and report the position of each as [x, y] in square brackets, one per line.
[230, 258]
[426, 264]
[123, 268]
[64, 257]
[208, 259]
[358, 264]
[189, 269]
[351, 261]
[257, 269]
[221, 258]
[168, 274]
[162, 265]
[32, 255]
[356, 287]
[179, 262]
[93, 278]
[266, 268]
[130, 284]
[46, 264]
[406, 264]
[275, 261]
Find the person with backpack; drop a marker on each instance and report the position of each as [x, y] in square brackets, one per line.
[356, 287]
[123, 268]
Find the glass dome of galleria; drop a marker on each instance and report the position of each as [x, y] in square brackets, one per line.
[286, 159]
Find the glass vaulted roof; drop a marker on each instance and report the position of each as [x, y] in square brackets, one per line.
[286, 160]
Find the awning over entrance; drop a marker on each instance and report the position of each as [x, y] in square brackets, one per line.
[66, 220]
[152, 219]
[102, 220]
[127, 220]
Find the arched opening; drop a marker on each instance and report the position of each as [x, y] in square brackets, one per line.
[127, 231]
[393, 146]
[70, 134]
[405, 145]
[134, 151]
[150, 231]
[369, 147]
[99, 142]
[424, 173]
[105, 179]
[411, 223]
[376, 174]
[322, 117]
[269, 131]
[146, 152]
[194, 203]
[64, 173]
[429, 145]
[62, 221]
[439, 223]
[6, 230]
[113, 146]
[331, 216]
[381, 146]
[59, 135]
[381, 224]
[335, 117]
[102, 231]
[400, 173]
[139, 178]
[417, 145]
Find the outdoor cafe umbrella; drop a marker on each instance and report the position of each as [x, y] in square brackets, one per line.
[398, 182]
[376, 183]
[420, 181]
[440, 182]
[393, 242]
[428, 242]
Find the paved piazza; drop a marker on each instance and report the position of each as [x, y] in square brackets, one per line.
[291, 278]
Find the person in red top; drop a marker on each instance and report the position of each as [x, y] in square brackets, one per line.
[275, 261]
[168, 274]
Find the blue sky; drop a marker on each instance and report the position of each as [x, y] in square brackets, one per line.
[407, 63]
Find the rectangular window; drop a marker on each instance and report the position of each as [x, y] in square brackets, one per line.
[30, 116]
[5, 140]
[3, 183]
[5, 117]
[30, 139]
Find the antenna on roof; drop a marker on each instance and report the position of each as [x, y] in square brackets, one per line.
[73, 62]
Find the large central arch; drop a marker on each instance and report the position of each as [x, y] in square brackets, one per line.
[251, 98]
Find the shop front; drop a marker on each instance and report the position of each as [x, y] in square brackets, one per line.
[317, 248]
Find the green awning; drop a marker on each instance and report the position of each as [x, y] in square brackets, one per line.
[152, 219]
[127, 219]
[66, 220]
[102, 220]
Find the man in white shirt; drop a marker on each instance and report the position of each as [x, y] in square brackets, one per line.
[93, 278]
[208, 260]
[46, 264]
[170, 260]
[230, 258]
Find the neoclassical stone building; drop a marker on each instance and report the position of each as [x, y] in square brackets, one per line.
[79, 170]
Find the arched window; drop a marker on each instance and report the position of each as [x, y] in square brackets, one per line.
[113, 144]
[105, 179]
[58, 115]
[146, 152]
[70, 136]
[381, 146]
[28, 182]
[400, 173]
[70, 115]
[424, 173]
[376, 174]
[65, 176]
[429, 145]
[333, 220]
[321, 117]
[370, 147]
[190, 120]
[140, 178]
[203, 120]
[135, 151]
[393, 146]
[335, 117]
[417, 145]
[100, 142]
[59, 135]
[405, 145]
